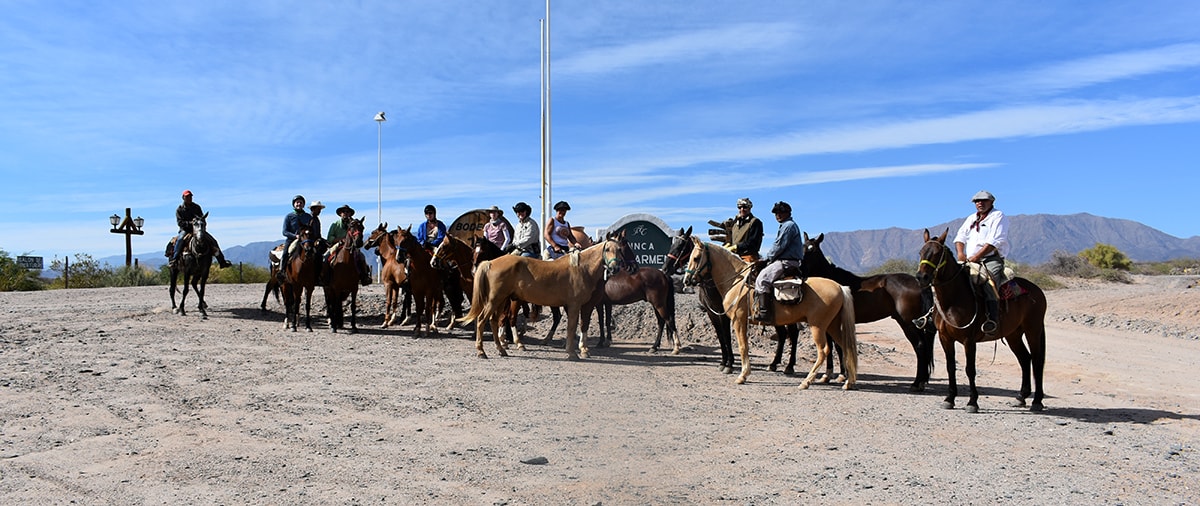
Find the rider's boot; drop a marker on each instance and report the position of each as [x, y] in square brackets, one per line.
[993, 312]
[364, 275]
[765, 302]
[221, 261]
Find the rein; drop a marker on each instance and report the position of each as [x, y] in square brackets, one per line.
[934, 283]
[707, 265]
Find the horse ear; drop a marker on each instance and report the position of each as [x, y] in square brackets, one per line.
[383, 226]
[689, 231]
[206, 216]
[820, 237]
[942, 238]
[926, 235]
[805, 236]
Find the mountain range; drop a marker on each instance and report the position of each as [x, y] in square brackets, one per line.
[1034, 237]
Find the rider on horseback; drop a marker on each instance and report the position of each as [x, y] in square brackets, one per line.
[432, 231]
[497, 231]
[184, 214]
[983, 239]
[559, 238]
[745, 232]
[338, 230]
[786, 253]
[525, 235]
[291, 226]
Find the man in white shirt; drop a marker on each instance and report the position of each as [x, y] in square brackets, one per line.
[983, 239]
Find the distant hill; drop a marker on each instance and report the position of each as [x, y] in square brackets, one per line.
[1034, 237]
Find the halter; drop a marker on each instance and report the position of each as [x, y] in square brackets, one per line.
[614, 263]
[707, 265]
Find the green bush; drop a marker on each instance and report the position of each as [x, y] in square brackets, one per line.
[132, 276]
[84, 272]
[1176, 267]
[1115, 276]
[895, 265]
[1065, 264]
[1106, 256]
[15, 278]
[239, 273]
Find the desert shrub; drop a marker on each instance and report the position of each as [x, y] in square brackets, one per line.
[84, 272]
[895, 265]
[1065, 264]
[1115, 276]
[239, 273]
[1106, 256]
[1041, 279]
[15, 278]
[131, 276]
[1176, 267]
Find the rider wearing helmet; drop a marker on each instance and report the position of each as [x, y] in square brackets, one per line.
[184, 214]
[291, 226]
[745, 232]
[785, 253]
[432, 231]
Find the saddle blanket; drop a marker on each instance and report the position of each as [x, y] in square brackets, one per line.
[1011, 290]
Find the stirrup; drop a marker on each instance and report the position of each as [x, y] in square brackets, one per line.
[988, 327]
[921, 322]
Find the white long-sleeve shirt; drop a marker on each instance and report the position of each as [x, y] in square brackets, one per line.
[992, 230]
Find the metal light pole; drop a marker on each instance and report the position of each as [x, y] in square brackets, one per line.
[379, 119]
[130, 227]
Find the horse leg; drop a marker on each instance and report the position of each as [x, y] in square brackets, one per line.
[793, 335]
[740, 327]
[583, 330]
[183, 296]
[1037, 347]
[722, 325]
[572, 325]
[780, 337]
[556, 316]
[922, 344]
[969, 350]
[307, 309]
[353, 309]
[952, 383]
[822, 345]
[174, 276]
[200, 296]
[497, 335]
[479, 324]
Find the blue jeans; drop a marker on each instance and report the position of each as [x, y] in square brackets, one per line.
[178, 245]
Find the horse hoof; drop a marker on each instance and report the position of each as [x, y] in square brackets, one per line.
[848, 386]
[947, 405]
[805, 384]
[727, 369]
[972, 409]
[741, 380]
[481, 355]
[772, 367]
[521, 347]
[1037, 407]
[503, 353]
[676, 352]
[916, 387]
[573, 357]
[788, 371]
[1017, 403]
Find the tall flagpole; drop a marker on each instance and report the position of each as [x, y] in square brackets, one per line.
[547, 166]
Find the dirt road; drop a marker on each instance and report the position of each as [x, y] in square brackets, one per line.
[108, 397]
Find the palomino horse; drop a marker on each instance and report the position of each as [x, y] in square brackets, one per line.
[710, 300]
[453, 258]
[343, 278]
[194, 263]
[300, 277]
[648, 284]
[571, 282]
[393, 274]
[424, 282]
[825, 305]
[959, 314]
[897, 296]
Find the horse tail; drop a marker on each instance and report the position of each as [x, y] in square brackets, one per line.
[480, 287]
[849, 333]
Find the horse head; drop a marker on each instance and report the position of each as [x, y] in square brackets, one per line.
[376, 236]
[622, 255]
[443, 255]
[199, 241]
[814, 259]
[698, 263]
[354, 236]
[681, 247]
[935, 257]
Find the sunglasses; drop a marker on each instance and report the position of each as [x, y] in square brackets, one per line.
[743, 207]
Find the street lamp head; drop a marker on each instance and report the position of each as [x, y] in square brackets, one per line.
[114, 219]
[138, 222]
[379, 117]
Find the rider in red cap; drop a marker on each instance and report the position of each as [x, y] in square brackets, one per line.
[183, 217]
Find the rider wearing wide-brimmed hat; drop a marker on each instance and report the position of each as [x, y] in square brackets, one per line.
[496, 229]
[525, 232]
[338, 230]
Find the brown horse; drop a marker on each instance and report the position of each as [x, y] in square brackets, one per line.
[825, 305]
[300, 276]
[648, 284]
[425, 282]
[487, 250]
[959, 314]
[194, 262]
[343, 278]
[394, 272]
[453, 259]
[571, 282]
[898, 296]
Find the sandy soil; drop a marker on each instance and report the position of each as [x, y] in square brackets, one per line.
[106, 397]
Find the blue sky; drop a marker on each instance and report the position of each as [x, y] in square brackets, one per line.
[862, 115]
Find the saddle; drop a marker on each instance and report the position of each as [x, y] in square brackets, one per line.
[982, 279]
[171, 244]
[788, 289]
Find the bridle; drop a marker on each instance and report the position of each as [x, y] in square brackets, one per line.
[615, 262]
[706, 266]
[934, 283]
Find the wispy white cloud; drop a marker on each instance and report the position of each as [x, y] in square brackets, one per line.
[681, 49]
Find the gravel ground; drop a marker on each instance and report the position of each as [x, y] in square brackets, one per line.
[110, 398]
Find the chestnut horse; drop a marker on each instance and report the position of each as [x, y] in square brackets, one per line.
[959, 314]
[343, 278]
[897, 296]
[825, 305]
[424, 282]
[194, 262]
[300, 276]
[487, 250]
[710, 300]
[571, 282]
[394, 272]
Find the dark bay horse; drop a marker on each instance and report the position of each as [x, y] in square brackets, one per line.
[648, 284]
[394, 272]
[710, 300]
[897, 296]
[570, 281]
[826, 306]
[424, 282]
[343, 278]
[300, 277]
[959, 314]
[453, 258]
[194, 262]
